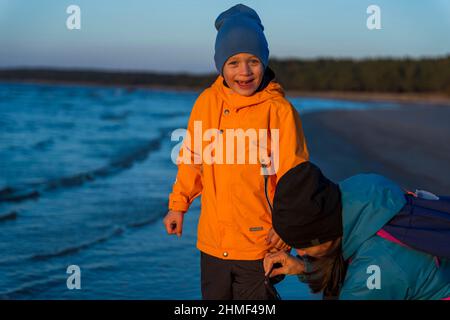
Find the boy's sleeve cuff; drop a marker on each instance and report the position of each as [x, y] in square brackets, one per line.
[178, 206]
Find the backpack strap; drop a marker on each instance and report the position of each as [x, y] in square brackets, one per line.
[389, 237]
[266, 178]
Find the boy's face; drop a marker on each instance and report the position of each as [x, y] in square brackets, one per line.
[243, 73]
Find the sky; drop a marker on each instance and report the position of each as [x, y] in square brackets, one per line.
[179, 35]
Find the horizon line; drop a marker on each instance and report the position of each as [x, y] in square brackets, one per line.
[198, 73]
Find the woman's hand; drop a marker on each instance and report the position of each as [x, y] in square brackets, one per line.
[275, 242]
[289, 264]
[173, 222]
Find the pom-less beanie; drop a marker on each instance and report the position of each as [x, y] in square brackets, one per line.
[307, 207]
[239, 31]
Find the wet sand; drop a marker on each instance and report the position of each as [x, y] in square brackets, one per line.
[410, 145]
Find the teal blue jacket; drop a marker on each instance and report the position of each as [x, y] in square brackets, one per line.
[379, 268]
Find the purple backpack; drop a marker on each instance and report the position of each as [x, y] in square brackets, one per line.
[422, 224]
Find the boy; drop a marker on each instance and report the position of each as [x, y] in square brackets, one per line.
[235, 228]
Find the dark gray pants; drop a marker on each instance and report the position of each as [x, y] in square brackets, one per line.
[233, 279]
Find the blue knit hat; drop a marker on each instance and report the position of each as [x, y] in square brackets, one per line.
[239, 30]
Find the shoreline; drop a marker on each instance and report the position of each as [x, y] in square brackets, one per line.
[407, 144]
[402, 98]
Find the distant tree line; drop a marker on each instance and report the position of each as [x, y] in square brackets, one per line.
[427, 75]
[108, 77]
[370, 75]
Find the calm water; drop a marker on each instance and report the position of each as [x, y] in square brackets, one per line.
[84, 177]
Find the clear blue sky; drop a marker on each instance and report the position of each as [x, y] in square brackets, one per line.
[178, 35]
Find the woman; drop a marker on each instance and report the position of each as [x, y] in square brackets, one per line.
[337, 231]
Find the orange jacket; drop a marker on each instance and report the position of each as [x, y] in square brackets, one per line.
[235, 217]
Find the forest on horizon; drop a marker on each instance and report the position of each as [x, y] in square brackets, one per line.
[390, 75]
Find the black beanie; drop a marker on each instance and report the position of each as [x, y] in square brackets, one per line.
[307, 207]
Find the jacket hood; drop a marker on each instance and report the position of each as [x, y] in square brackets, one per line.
[237, 101]
[369, 201]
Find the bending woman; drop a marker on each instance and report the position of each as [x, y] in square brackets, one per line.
[338, 232]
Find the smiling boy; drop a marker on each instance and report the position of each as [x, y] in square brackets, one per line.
[235, 225]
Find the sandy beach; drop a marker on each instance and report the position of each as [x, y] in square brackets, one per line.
[409, 144]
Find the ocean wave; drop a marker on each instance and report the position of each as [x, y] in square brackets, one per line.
[14, 259]
[42, 282]
[8, 216]
[32, 191]
[76, 248]
[17, 194]
[44, 144]
[170, 115]
[118, 230]
[115, 116]
[147, 221]
[31, 287]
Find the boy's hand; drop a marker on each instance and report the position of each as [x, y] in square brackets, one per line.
[289, 264]
[275, 242]
[173, 222]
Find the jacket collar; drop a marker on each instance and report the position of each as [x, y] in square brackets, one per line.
[236, 101]
[369, 201]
